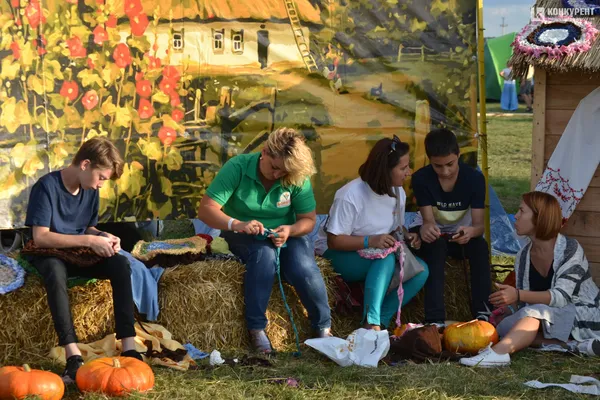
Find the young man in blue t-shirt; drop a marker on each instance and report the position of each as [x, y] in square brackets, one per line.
[63, 213]
[451, 198]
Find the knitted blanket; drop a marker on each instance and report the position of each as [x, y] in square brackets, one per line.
[168, 253]
[80, 256]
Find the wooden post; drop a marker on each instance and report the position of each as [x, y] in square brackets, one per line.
[423, 53]
[539, 127]
[223, 113]
[198, 105]
[225, 98]
[483, 127]
[273, 101]
[399, 58]
[422, 128]
[473, 107]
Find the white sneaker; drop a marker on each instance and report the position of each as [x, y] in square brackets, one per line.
[590, 347]
[487, 358]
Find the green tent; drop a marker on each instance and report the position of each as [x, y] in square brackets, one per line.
[497, 53]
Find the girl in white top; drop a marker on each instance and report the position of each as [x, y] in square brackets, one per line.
[363, 215]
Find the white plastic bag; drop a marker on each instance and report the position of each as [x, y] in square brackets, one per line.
[364, 347]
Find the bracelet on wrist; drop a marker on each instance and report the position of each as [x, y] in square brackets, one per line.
[366, 242]
[230, 223]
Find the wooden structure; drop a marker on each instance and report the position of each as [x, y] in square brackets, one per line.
[559, 87]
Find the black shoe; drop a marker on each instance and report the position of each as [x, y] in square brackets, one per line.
[322, 333]
[133, 354]
[73, 364]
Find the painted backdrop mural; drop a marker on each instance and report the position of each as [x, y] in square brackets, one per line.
[181, 86]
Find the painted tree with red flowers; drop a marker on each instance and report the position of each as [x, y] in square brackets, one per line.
[67, 76]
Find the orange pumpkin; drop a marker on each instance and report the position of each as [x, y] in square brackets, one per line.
[115, 376]
[469, 337]
[22, 382]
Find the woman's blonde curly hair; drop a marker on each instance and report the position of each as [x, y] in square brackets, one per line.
[289, 144]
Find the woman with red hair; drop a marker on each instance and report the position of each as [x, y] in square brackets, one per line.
[555, 297]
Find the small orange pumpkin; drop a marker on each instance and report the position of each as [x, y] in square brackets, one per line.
[115, 376]
[469, 337]
[21, 382]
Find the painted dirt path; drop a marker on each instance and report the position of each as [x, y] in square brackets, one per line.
[350, 110]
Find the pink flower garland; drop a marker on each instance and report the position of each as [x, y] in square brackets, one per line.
[522, 45]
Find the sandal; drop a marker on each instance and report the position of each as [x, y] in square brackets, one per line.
[260, 341]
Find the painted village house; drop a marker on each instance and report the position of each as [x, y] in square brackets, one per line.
[229, 36]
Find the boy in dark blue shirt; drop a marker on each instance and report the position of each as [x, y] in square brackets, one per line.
[451, 199]
[63, 213]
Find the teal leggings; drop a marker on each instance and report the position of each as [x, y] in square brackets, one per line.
[379, 308]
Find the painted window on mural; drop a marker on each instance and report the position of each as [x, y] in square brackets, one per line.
[237, 41]
[178, 40]
[218, 40]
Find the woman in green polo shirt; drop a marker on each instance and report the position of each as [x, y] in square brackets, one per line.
[270, 190]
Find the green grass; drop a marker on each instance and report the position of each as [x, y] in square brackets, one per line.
[509, 158]
[495, 108]
[319, 379]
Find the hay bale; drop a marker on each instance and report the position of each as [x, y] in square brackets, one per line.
[27, 330]
[203, 303]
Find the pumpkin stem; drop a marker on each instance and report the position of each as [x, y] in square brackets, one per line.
[116, 363]
[465, 323]
[26, 368]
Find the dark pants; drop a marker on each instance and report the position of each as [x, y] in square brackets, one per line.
[298, 268]
[55, 273]
[435, 254]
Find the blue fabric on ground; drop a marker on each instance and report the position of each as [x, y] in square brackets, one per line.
[144, 284]
[194, 353]
[504, 236]
[201, 227]
[315, 232]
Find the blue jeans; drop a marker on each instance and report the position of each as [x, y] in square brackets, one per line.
[379, 307]
[298, 268]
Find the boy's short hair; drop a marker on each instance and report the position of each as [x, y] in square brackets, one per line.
[547, 214]
[440, 143]
[102, 154]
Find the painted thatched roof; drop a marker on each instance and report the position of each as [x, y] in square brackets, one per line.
[588, 62]
[225, 10]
